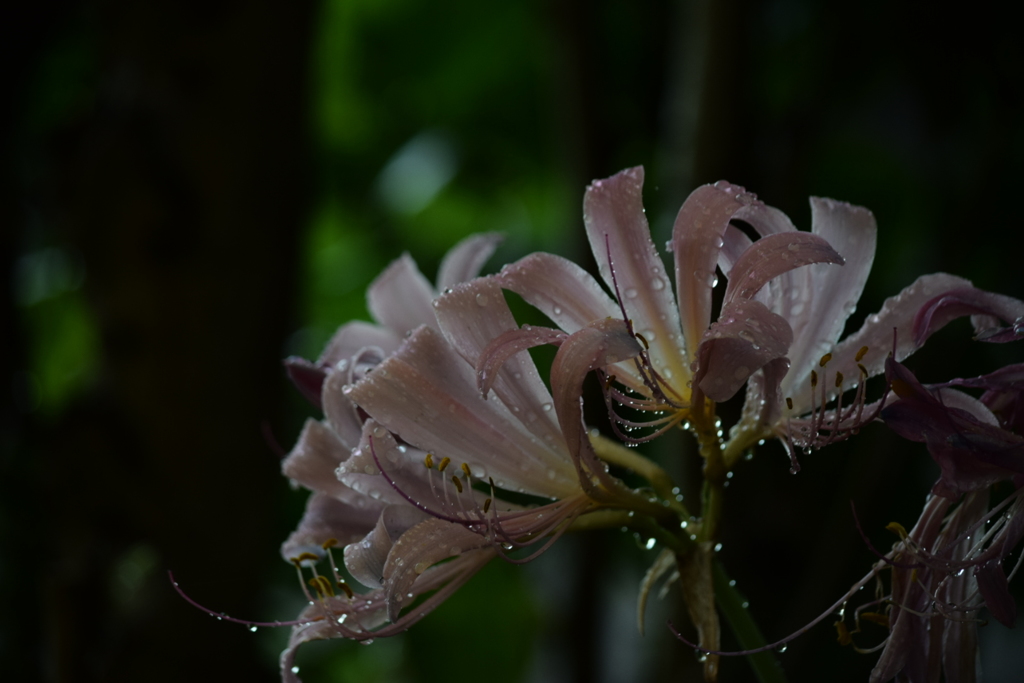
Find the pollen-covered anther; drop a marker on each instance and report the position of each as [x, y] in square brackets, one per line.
[458, 484]
[429, 461]
[329, 543]
[824, 360]
[839, 379]
[789, 403]
[897, 529]
[299, 559]
[844, 633]
[322, 586]
[443, 464]
[642, 340]
[347, 589]
[875, 618]
[465, 470]
[814, 378]
[487, 505]
[860, 354]
[863, 370]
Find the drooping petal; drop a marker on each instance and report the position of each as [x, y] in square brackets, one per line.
[463, 262]
[897, 313]
[399, 298]
[509, 345]
[974, 302]
[475, 319]
[417, 549]
[427, 394]
[326, 518]
[598, 345]
[772, 256]
[746, 337]
[972, 454]
[620, 238]
[697, 238]
[365, 559]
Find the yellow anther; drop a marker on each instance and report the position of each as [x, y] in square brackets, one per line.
[491, 482]
[814, 379]
[465, 470]
[429, 461]
[876, 618]
[306, 556]
[444, 463]
[825, 359]
[839, 379]
[863, 370]
[897, 529]
[844, 634]
[329, 543]
[458, 484]
[642, 340]
[345, 587]
[487, 505]
[860, 354]
[321, 585]
[789, 403]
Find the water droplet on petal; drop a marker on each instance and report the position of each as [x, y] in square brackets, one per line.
[657, 284]
[481, 300]
[631, 293]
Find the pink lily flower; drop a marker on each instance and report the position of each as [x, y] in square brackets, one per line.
[788, 297]
[403, 417]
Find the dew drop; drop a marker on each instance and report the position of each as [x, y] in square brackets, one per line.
[631, 293]
[657, 284]
[481, 300]
[557, 310]
[253, 629]
[746, 336]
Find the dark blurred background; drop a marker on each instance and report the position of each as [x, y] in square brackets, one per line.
[193, 190]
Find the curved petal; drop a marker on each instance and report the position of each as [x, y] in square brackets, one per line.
[697, 238]
[427, 394]
[353, 336]
[559, 289]
[600, 344]
[822, 298]
[772, 256]
[340, 412]
[327, 517]
[508, 345]
[734, 243]
[957, 303]
[746, 337]
[463, 262]
[365, 559]
[897, 314]
[316, 455]
[620, 238]
[307, 377]
[417, 549]
[473, 318]
[399, 298]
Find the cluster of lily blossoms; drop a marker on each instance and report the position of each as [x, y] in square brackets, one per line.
[438, 425]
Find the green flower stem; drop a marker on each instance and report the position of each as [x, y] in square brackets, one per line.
[642, 524]
[766, 667]
[616, 454]
[740, 444]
